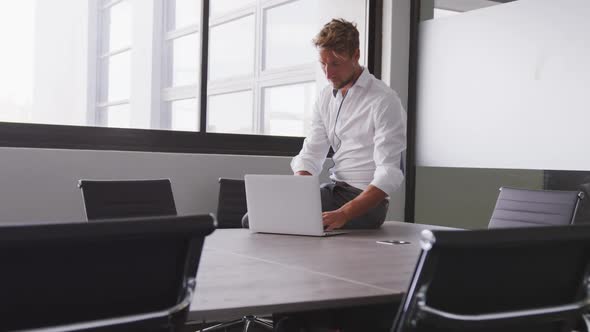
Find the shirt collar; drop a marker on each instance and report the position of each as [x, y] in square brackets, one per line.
[361, 81]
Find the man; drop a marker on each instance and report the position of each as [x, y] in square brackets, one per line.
[364, 122]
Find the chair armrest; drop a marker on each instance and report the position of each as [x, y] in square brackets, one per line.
[183, 304]
[444, 318]
[573, 309]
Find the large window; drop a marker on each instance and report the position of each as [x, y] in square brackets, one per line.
[78, 72]
[262, 68]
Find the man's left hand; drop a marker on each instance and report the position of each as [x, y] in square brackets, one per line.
[334, 219]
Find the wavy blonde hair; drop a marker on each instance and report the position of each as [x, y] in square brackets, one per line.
[338, 35]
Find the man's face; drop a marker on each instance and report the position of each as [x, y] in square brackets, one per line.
[339, 68]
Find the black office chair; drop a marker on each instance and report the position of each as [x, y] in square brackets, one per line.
[123, 275]
[105, 199]
[512, 279]
[524, 208]
[231, 204]
[583, 213]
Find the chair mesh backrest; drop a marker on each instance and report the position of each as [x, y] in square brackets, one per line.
[500, 270]
[127, 198]
[69, 273]
[525, 208]
[231, 205]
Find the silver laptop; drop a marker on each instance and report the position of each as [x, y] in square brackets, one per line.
[285, 204]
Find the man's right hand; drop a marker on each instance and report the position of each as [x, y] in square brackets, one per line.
[302, 173]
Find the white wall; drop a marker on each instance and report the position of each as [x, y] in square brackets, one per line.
[506, 87]
[39, 185]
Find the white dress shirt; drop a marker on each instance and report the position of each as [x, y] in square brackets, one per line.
[368, 135]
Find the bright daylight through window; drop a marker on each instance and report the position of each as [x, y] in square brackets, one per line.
[137, 63]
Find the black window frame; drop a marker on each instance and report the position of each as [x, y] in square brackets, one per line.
[410, 158]
[50, 136]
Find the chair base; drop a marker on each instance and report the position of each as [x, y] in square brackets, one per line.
[246, 321]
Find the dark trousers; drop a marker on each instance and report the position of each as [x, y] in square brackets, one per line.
[336, 194]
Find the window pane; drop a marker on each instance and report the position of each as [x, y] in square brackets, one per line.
[221, 7]
[185, 115]
[117, 116]
[17, 60]
[186, 12]
[119, 76]
[288, 109]
[118, 20]
[185, 60]
[231, 48]
[289, 32]
[230, 113]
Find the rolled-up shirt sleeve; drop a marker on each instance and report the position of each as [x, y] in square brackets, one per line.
[315, 146]
[390, 142]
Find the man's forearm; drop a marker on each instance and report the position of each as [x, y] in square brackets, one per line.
[368, 199]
